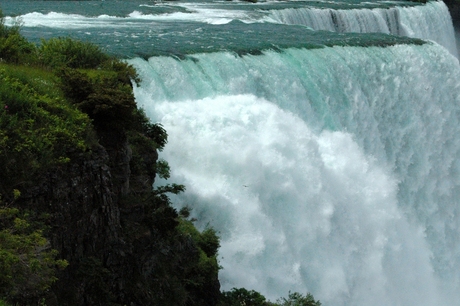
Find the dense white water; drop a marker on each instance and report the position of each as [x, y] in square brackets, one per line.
[431, 21]
[320, 177]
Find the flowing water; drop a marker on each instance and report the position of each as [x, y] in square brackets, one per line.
[326, 155]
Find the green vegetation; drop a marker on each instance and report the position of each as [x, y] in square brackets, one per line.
[58, 101]
[38, 128]
[66, 52]
[14, 48]
[297, 299]
[27, 262]
[54, 99]
[242, 296]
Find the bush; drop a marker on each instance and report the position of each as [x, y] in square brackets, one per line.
[14, 48]
[201, 277]
[243, 297]
[37, 131]
[27, 262]
[94, 277]
[153, 131]
[297, 299]
[107, 97]
[3, 303]
[67, 52]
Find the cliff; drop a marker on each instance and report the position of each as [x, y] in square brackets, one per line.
[78, 159]
[120, 238]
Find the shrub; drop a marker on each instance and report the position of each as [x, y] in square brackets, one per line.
[14, 48]
[100, 94]
[153, 131]
[4, 303]
[297, 299]
[27, 262]
[37, 131]
[67, 52]
[209, 242]
[242, 296]
[94, 277]
[201, 275]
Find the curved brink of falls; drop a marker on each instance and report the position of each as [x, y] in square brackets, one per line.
[431, 21]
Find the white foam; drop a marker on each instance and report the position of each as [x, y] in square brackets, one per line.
[329, 170]
[64, 21]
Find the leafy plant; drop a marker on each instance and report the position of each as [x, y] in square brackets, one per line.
[14, 48]
[27, 262]
[94, 276]
[67, 52]
[242, 297]
[4, 303]
[297, 299]
[37, 131]
[107, 97]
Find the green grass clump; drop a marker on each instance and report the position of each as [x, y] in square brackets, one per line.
[66, 52]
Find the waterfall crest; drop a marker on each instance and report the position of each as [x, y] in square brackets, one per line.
[431, 21]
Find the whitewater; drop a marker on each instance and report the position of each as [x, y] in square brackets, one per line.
[319, 177]
[325, 156]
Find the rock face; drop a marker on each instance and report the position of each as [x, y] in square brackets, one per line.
[82, 199]
[454, 9]
[122, 241]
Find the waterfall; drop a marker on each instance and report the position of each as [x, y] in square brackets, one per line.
[331, 170]
[431, 21]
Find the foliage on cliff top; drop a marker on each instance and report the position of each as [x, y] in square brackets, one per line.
[51, 97]
[14, 48]
[67, 52]
[38, 128]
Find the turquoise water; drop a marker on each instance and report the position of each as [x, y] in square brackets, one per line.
[320, 139]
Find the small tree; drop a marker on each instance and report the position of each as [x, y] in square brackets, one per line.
[14, 48]
[297, 299]
[27, 262]
[243, 297]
